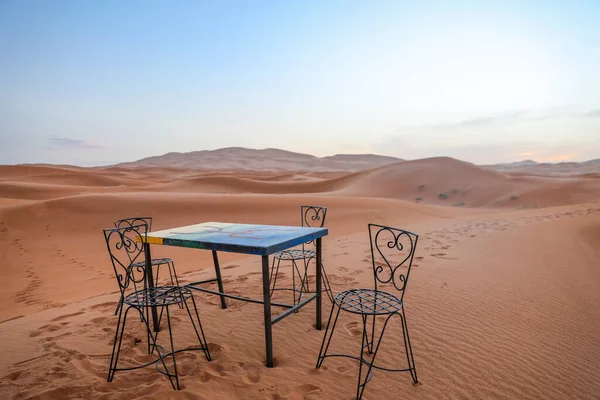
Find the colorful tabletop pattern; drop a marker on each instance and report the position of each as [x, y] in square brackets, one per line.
[236, 238]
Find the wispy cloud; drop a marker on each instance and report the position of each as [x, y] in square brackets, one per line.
[496, 119]
[510, 118]
[502, 120]
[57, 142]
[537, 134]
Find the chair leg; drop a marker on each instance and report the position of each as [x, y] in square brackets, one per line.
[305, 278]
[372, 334]
[116, 344]
[325, 347]
[294, 267]
[148, 333]
[360, 387]
[156, 278]
[363, 383]
[119, 304]
[114, 358]
[325, 279]
[274, 272]
[155, 337]
[155, 346]
[409, 354]
[326, 284]
[199, 334]
[172, 265]
[174, 282]
[172, 351]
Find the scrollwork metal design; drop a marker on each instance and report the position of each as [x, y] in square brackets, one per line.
[126, 247]
[398, 249]
[313, 217]
[134, 221]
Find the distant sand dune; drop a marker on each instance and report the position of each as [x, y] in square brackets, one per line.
[442, 181]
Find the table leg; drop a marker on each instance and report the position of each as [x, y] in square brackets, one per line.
[150, 281]
[267, 307]
[319, 278]
[219, 279]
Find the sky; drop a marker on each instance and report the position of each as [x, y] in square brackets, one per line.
[101, 82]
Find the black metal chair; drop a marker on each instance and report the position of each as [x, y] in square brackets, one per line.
[156, 262]
[126, 249]
[313, 217]
[392, 252]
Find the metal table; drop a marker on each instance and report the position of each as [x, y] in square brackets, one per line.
[262, 240]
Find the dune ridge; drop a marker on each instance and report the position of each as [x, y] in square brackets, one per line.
[440, 180]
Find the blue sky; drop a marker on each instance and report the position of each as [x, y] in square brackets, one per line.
[92, 83]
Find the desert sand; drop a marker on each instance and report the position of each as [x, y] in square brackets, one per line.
[503, 301]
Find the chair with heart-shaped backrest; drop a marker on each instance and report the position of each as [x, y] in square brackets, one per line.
[125, 246]
[156, 262]
[392, 253]
[311, 217]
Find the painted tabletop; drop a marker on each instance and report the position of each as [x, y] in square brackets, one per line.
[236, 238]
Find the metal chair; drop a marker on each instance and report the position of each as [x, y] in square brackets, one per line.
[313, 217]
[392, 252]
[156, 262]
[126, 249]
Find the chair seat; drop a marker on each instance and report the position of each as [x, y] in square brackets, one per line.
[158, 296]
[295, 254]
[155, 261]
[368, 301]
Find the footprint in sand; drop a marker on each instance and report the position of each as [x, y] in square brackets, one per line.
[101, 320]
[103, 306]
[299, 392]
[343, 370]
[353, 328]
[231, 266]
[44, 329]
[215, 370]
[341, 279]
[443, 256]
[250, 373]
[60, 318]
[216, 350]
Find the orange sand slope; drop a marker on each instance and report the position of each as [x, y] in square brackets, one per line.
[503, 301]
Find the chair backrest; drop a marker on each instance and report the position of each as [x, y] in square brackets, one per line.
[126, 247]
[392, 252]
[313, 217]
[133, 221]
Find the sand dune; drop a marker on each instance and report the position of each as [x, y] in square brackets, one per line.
[440, 181]
[561, 168]
[266, 159]
[502, 303]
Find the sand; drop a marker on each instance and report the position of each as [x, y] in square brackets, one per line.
[503, 301]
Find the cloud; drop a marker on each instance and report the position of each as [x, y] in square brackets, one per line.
[557, 134]
[509, 118]
[57, 142]
[502, 118]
